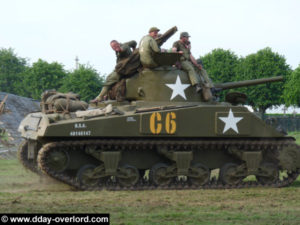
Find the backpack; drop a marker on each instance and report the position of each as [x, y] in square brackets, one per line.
[57, 102]
[129, 65]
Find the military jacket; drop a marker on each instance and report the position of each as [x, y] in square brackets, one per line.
[184, 48]
[147, 48]
[126, 50]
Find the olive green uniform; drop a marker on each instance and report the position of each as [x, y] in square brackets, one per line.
[204, 75]
[147, 48]
[186, 63]
[114, 77]
[126, 50]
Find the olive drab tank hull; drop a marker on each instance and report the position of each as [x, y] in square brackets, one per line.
[162, 136]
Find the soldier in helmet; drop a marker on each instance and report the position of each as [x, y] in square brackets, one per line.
[123, 51]
[188, 62]
[147, 47]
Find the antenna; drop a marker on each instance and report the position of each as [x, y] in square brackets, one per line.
[76, 62]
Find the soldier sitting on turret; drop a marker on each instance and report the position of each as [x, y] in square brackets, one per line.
[148, 47]
[189, 64]
[123, 51]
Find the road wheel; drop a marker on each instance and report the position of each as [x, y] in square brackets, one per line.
[229, 175]
[158, 175]
[271, 174]
[85, 176]
[199, 174]
[129, 176]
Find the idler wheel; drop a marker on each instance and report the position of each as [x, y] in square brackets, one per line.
[158, 175]
[229, 174]
[86, 176]
[58, 160]
[270, 174]
[128, 176]
[199, 174]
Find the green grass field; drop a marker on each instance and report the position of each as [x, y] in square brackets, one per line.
[297, 136]
[23, 191]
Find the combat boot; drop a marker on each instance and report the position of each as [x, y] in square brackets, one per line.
[206, 93]
[101, 96]
[97, 99]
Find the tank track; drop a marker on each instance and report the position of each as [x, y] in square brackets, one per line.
[22, 156]
[116, 144]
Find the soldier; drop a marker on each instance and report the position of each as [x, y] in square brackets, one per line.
[123, 51]
[204, 74]
[188, 62]
[147, 47]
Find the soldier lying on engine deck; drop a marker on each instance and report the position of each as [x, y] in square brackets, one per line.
[123, 51]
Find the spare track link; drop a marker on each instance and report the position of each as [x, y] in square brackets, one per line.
[173, 144]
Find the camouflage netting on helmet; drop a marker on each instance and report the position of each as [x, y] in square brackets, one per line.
[56, 102]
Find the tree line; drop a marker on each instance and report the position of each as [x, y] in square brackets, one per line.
[18, 77]
[225, 66]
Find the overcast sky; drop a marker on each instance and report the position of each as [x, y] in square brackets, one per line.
[60, 30]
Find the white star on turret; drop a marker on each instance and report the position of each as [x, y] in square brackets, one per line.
[178, 88]
[230, 122]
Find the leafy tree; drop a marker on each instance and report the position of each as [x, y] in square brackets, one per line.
[11, 68]
[264, 63]
[84, 81]
[221, 66]
[292, 88]
[42, 76]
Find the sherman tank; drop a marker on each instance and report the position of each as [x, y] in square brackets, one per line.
[158, 134]
[161, 135]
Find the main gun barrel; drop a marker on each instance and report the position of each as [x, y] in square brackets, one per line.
[245, 83]
[164, 37]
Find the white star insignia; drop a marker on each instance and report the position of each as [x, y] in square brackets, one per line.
[230, 122]
[178, 88]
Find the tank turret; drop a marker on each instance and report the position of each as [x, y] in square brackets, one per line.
[167, 83]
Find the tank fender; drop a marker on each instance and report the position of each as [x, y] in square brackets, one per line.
[33, 125]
